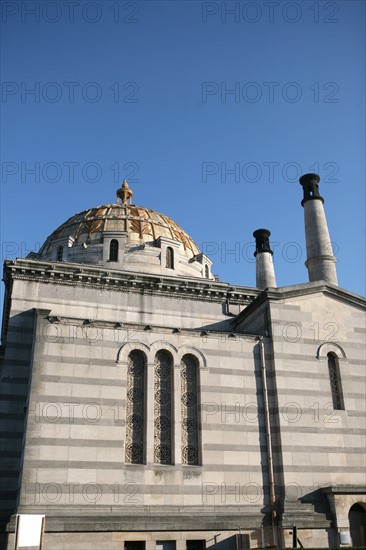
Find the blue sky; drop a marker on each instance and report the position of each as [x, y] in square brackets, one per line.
[211, 110]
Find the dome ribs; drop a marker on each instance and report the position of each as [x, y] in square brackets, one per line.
[147, 225]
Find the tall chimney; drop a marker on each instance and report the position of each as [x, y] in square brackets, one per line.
[265, 275]
[321, 262]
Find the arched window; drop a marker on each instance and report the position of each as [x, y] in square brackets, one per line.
[335, 382]
[60, 253]
[135, 408]
[163, 408]
[113, 250]
[207, 272]
[169, 263]
[189, 408]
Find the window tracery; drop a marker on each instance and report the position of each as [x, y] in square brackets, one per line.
[189, 409]
[335, 383]
[163, 408]
[135, 408]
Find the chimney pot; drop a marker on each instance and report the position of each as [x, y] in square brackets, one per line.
[265, 275]
[310, 185]
[262, 241]
[320, 261]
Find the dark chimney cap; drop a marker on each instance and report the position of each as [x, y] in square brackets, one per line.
[262, 241]
[261, 233]
[310, 185]
[306, 179]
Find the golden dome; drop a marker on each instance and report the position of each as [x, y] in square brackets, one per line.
[140, 225]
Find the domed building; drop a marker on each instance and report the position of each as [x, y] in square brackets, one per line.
[127, 237]
[148, 406]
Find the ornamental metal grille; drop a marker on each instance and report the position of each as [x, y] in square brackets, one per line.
[334, 383]
[135, 408]
[163, 408]
[189, 408]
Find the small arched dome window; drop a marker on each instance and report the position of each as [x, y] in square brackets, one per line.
[60, 253]
[113, 250]
[207, 272]
[169, 258]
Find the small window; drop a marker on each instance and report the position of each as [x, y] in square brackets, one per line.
[135, 545]
[169, 258]
[196, 544]
[335, 382]
[207, 272]
[165, 545]
[113, 251]
[60, 253]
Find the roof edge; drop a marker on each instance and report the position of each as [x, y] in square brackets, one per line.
[303, 289]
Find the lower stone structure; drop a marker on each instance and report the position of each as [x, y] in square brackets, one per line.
[171, 411]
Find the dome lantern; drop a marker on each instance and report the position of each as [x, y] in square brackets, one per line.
[124, 194]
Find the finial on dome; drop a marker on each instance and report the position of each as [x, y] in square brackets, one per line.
[124, 193]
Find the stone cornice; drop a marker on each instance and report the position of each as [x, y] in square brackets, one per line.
[85, 324]
[71, 274]
[345, 490]
[143, 518]
[306, 289]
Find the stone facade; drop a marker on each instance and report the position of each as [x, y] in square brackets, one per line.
[160, 410]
